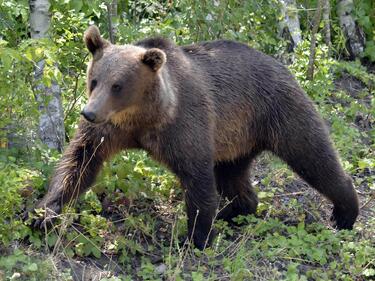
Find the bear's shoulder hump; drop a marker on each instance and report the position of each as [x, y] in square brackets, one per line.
[156, 42]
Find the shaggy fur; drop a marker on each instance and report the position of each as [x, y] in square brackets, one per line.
[205, 111]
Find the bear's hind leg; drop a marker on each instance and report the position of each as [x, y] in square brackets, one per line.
[233, 184]
[311, 155]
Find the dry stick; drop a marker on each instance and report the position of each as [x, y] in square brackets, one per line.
[368, 264]
[364, 193]
[372, 197]
[171, 243]
[238, 239]
[289, 194]
[75, 96]
[75, 99]
[59, 234]
[191, 241]
[79, 234]
[188, 245]
[58, 241]
[214, 218]
[54, 265]
[245, 238]
[317, 16]
[96, 247]
[185, 248]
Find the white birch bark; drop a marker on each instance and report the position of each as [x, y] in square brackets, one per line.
[290, 20]
[51, 120]
[354, 35]
[327, 25]
[112, 20]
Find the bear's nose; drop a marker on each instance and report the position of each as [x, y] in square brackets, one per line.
[89, 115]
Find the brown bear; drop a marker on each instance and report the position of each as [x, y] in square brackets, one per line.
[205, 111]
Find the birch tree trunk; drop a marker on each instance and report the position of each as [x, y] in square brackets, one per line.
[51, 120]
[112, 20]
[316, 22]
[327, 25]
[290, 21]
[355, 39]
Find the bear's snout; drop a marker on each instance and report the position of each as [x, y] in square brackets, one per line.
[89, 115]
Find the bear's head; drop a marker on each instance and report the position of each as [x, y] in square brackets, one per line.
[118, 77]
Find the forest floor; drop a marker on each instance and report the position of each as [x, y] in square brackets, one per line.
[294, 201]
[290, 237]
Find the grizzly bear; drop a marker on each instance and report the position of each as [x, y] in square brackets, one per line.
[205, 111]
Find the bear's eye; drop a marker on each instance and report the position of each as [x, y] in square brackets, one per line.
[116, 88]
[93, 84]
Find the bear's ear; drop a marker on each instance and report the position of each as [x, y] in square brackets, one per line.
[94, 41]
[154, 58]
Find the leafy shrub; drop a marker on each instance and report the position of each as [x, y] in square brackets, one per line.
[15, 182]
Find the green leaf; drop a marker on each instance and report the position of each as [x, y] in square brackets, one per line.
[370, 50]
[51, 240]
[32, 267]
[96, 252]
[368, 272]
[197, 276]
[76, 5]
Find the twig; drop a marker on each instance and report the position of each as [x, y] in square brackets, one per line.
[75, 91]
[289, 194]
[372, 197]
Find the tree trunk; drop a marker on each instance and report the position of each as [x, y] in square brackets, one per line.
[327, 25]
[112, 20]
[317, 17]
[289, 25]
[355, 39]
[51, 120]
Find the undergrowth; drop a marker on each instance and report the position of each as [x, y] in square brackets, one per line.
[133, 217]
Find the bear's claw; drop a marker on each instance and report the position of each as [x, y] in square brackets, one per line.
[46, 220]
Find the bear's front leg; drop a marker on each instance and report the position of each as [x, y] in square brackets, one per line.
[201, 207]
[197, 178]
[77, 169]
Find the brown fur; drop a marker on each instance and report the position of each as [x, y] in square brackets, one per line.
[205, 111]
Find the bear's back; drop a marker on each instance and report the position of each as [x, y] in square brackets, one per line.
[227, 66]
[249, 92]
